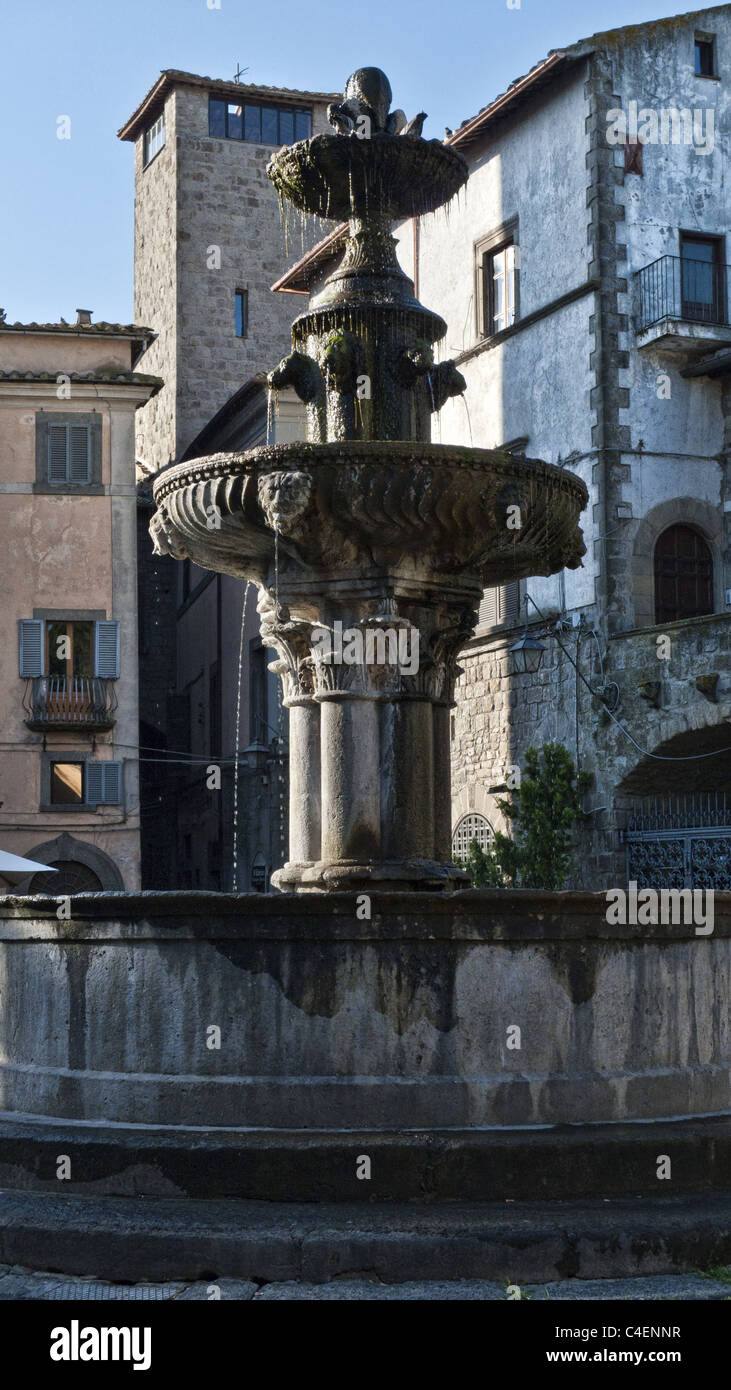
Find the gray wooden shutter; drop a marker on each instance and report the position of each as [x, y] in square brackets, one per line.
[111, 783]
[103, 783]
[510, 603]
[79, 454]
[30, 645]
[94, 783]
[487, 616]
[106, 650]
[57, 443]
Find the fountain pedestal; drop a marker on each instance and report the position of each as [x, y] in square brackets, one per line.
[369, 695]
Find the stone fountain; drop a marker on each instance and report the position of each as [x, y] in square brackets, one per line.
[368, 528]
[292, 1047]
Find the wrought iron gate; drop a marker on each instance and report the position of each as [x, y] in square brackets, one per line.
[680, 842]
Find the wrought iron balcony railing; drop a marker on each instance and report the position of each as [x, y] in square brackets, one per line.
[676, 287]
[69, 702]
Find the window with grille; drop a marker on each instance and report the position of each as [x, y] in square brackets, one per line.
[69, 878]
[683, 575]
[154, 138]
[471, 828]
[258, 124]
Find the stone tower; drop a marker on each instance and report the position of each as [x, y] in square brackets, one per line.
[209, 243]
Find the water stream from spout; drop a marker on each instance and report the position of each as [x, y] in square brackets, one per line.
[469, 422]
[237, 745]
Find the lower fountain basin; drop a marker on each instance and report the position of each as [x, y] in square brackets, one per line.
[344, 507]
[479, 1009]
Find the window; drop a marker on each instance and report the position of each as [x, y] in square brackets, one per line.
[499, 288]
[63, 648]
[471, 828]
[683, 575]
[497, 280]
[702, 278]
[258, 693]
[500, 606]
[67, 784]
[705, 64]
[214, 711]
[257, 124]
[241, 313]
[154, 138]
[68, 452]
[84, 783]
[69, 649]
[259, 874]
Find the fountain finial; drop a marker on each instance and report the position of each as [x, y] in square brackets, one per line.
[366, 108]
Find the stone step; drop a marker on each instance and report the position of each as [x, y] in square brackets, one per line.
[566, 1163]
[714, 1287]
[521, 1242]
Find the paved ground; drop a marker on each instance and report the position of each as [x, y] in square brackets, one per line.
[17, 1283]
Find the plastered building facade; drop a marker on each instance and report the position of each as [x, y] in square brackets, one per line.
[584, 281]
[69, 788]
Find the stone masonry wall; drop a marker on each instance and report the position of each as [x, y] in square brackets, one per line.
[155, 297]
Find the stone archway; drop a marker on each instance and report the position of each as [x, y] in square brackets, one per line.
[677, 832]
[66, 850]
[688, 511]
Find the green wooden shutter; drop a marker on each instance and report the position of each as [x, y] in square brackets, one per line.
[30, 644]
[106, 650]
[79, 454]
[57, 450]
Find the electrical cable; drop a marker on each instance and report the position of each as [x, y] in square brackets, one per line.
[658, 757]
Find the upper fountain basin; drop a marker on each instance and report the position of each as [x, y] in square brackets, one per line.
[391, 176]
[418, 508]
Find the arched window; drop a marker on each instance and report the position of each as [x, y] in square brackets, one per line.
[683, 575]
[471, 828]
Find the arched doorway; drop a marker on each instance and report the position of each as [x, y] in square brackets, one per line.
[683, 575]
[70, 878]
[84, 867]
[677, 831]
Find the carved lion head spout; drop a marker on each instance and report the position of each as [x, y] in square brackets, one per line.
[284, 498]
[165, 539]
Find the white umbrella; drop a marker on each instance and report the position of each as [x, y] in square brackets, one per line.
[15, 869]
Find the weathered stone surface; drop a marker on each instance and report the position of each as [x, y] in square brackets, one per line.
[329, 1019]
[265, 1242]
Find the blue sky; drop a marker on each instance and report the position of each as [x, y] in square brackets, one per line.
[67, 205]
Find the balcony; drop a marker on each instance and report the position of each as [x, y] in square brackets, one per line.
[56, 703]
[682, 305]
